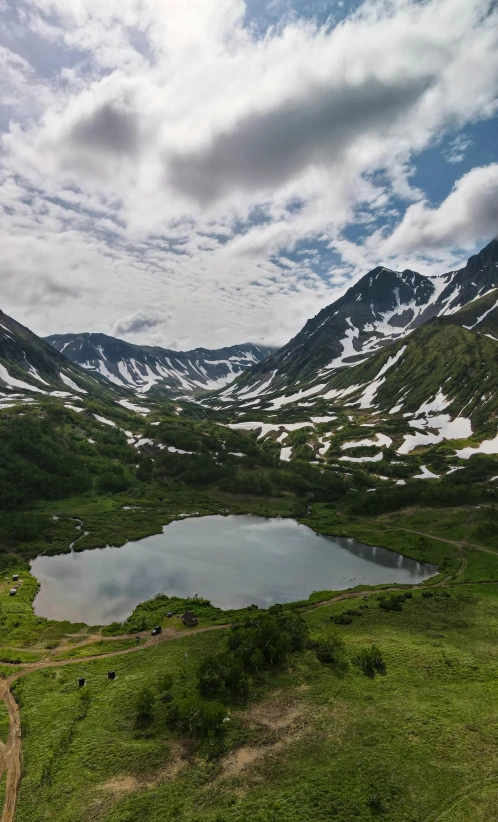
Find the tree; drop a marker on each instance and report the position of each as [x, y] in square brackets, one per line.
[197, 718]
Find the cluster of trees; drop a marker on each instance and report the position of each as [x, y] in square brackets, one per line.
[252, 646]
[45, 455]
[446, 493]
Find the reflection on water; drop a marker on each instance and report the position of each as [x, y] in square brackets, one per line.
[233, 561]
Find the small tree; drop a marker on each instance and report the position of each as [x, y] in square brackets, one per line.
[165, 684]
[144, 709]
[329, 649]
[370, 661]
[196, 718]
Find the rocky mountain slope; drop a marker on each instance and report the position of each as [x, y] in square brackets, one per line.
[28, 365]
[148, 369]
[377, 312]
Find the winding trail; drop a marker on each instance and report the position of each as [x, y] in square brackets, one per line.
[11, 751]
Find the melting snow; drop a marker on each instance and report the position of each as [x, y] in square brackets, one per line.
[457, 429]
[103, 420]
[73, 408]
[382, 439]
[140, 409]
[143, 441]
[336, 393]
[12, 382]
[391, 361]
[486, 447]
[425, 474]
[259, 390]
[34, 373]
[68, 381]
[280, 401]
[323, 419]
[377, 458]
[266, 427]
[285, 454]
[479, 319]
[439, 403]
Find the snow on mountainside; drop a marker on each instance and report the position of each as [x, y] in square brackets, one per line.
[29, 364]
[378, 311]
[146, 368]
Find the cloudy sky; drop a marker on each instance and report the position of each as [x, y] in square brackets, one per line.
[215, 171]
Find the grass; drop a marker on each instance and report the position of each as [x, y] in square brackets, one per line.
[96, 648]
[400, 747]
[326, 520]
[4, 723]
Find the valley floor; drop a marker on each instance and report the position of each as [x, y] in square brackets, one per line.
[314, 742]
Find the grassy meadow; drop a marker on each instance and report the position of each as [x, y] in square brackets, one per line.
[313, 742]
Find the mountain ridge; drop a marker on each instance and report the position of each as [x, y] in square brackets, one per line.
[28, 363]
[383, 307]
[156, 370]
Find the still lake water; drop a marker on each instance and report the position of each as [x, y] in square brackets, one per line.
[232, 561]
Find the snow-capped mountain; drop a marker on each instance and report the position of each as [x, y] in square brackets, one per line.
[147, 368]
[29, 367]
[378, 311]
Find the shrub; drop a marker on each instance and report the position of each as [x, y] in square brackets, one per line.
[427, 594]
[144, 709]
[370, 661]
[330, 650]
[341, 619]
[393, 603]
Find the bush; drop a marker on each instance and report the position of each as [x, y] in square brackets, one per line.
[370, 661]
[330, 650]
[341, 619]
[427, 594]
[393, 603]
[144, 709]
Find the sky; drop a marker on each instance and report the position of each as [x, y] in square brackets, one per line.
[211, 172]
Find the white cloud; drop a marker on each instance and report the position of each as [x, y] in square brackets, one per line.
[176, 160]
[467, 216]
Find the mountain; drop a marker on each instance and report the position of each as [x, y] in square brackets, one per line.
[378, 311]
[157, 370]
[481, 315]
[29, 364]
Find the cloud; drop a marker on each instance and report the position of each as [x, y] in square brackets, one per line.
[457, 148]
[139, 322]
[468, 215]
[108, 128]
[266, 148]
[170, 158]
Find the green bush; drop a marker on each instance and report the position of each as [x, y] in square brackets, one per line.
[370, 661]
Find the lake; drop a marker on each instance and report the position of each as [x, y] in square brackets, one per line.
[233, 561]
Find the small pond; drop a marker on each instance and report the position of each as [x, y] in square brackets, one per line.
[233, 561]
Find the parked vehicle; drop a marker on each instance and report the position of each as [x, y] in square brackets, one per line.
[157, 630]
